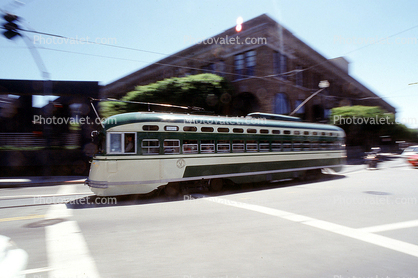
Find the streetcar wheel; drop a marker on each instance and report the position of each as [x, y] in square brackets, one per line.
[216, 184]
[172, 189]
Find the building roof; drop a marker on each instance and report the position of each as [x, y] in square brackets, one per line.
[262, 24]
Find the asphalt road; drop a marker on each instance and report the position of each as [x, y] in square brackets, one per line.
[361, 223]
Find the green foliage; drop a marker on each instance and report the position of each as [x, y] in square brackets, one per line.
[366, 125]
[339, 115]
[209, 91]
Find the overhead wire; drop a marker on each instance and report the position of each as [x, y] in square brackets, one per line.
[289, 73]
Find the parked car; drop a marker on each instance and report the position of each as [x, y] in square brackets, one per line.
[413, 160]
[12, 259]
[412, 150]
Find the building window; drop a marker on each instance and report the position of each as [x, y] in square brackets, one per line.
[281, 105]
[250, 61]
[245, 64]
[279, 64]
[220, 68]
[209, 68]
[239, 66]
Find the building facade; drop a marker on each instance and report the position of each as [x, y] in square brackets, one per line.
[272, 71]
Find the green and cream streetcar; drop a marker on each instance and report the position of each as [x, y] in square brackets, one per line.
[146, 151]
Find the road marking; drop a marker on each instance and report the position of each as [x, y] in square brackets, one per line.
[43, 196]
[389, 227]
[393, 244]
[35, 270]
[14, 180]
[21, 218]
[68, 254]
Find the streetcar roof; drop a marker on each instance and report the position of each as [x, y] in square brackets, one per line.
[190, 119]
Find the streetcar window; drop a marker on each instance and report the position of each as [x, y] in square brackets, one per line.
[252, 146]
[238, 130]
[276, 131]
[115, 143]
[223, 146]
[287, 146]
[190, 146]
[315, 146]
[206, 129]
[171, 146]
[207, 146]
[150, 127]
[306, 133]
[323, 145]
[251, 130]
[238, 146]
[264, 131]
[286, 131]
[314, 133]
[296, 132]
[306, 146]
[297, 146]
[276, 146]
[130, 142]
[264, 146]
[171, 128]
[223, 129]
[150, 146]
[323, 133]
[189, 128]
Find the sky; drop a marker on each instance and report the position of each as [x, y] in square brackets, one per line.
[378, 38]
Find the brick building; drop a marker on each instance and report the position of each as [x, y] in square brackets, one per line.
[272, 71]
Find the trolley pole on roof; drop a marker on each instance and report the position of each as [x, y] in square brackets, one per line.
[323, 85]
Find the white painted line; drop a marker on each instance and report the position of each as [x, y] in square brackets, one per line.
[14, 180]
[44, 196]
[389, 227]
[393, 244]
[35, 270]
[68, 254]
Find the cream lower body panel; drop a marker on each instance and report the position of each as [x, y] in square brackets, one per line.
[111, 176]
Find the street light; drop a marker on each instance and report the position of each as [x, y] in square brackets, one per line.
[323, 85]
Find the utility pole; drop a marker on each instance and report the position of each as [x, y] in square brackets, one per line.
[12, 31]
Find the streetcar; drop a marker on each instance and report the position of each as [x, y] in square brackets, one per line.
[145, 152]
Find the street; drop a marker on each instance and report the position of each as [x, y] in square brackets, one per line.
[358, 223]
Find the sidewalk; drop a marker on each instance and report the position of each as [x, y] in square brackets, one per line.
[8, 182]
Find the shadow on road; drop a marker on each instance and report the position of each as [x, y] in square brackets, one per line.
[129, 200]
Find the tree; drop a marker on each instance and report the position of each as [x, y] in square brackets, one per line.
[209, 91]
[367, 125]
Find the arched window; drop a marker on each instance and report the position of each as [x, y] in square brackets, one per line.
[281, 104]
